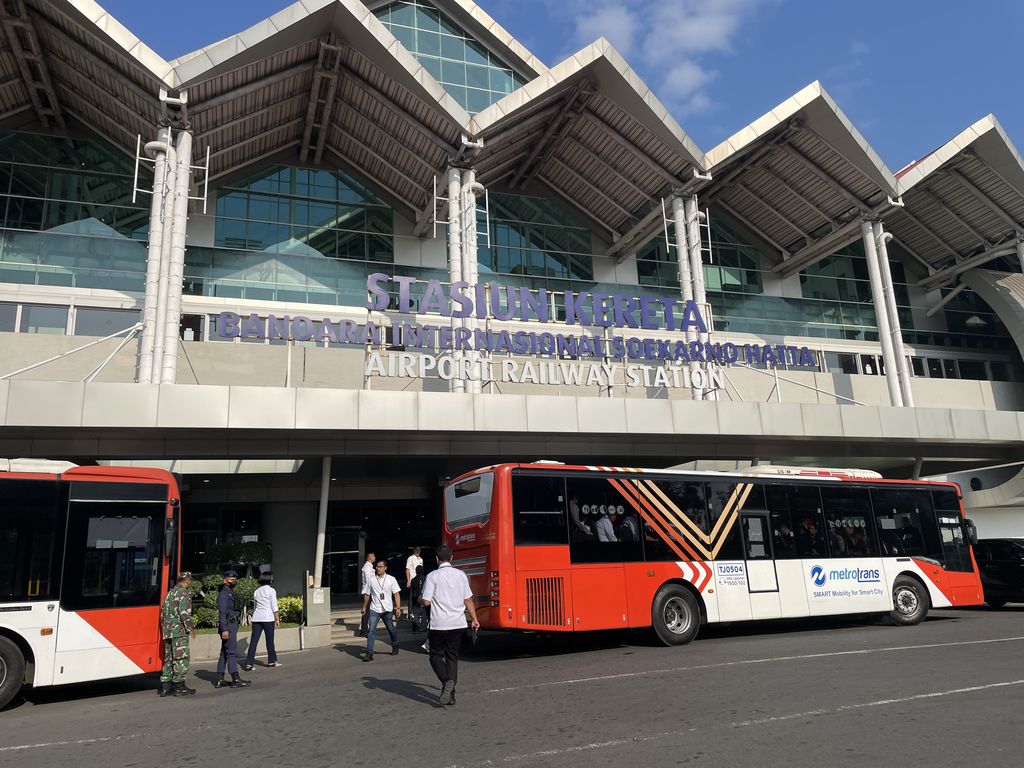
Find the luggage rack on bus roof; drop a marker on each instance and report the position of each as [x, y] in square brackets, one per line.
[778, 469]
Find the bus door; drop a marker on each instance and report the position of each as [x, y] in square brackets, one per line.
[762, 581]
[962, 582]
[109, 622]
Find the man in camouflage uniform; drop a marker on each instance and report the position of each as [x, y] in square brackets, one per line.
[176, 628]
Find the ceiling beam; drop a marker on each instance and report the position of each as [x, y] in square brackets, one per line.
[818, 250]
[321, 100]
[249, 141]
[597, 190]
[214, 130]
[827, 177]
[396, 196]
[792, 189]
[570, 111]
[250, 161]
[592, 155]
[82, 82]
[934, 197]
[361, 143]
[612, 233]
[1006, 248]
[991, 204]
[199, 107]
[31, 58]
[783, 250]
[517, 126]
[638, 233]
[931, 233]
[772, 209]
[630, 145]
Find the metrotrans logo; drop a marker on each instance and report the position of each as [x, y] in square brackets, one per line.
[860, 575]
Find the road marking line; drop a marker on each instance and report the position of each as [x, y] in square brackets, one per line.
[76, 742]
[743, 662]
[547, 753]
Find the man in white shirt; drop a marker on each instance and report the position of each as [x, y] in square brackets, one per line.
[266, 617]
[411, 563]
[382, 599]
[365, 574]
[447, 592]
[605, 528]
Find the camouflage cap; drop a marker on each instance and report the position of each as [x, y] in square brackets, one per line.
[184, 575]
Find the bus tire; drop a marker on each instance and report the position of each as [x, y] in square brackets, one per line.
[995, 602]
[675, 615]
[12, 671]
[909, 601]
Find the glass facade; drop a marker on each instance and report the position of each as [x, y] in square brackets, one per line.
[67, 214]
[474, 76]
[531, 236]
[293, 234]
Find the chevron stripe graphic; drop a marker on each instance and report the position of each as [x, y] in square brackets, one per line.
[683, 535]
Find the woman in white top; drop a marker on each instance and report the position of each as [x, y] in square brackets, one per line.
[265, 619]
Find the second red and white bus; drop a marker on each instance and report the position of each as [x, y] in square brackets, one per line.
[86, 557]
[552, 547]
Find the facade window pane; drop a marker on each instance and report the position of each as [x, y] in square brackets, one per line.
[471, 74]
[91, 321]
[8, 314]
[40, 318]
[532, 236]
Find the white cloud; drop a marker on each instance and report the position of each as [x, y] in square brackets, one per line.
[669, 40]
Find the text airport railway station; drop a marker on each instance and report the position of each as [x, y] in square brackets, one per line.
[321, 266]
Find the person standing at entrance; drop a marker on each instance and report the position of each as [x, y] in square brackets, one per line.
[265, 619]
[364, 578]
[229, 609]
[411, 564]
[176, 627]
[382, 599]
[446, 592]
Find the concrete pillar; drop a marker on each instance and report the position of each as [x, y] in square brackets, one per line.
[693, 243]
[685, 278]
[882, 239]
[455, 256]
[881, 314]
[321, 522]
[176, 268]
[160, 333]
[158, 148]
[470, 268]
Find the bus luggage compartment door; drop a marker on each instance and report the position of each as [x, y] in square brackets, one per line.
[599, 597]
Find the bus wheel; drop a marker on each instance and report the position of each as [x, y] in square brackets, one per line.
[12, 671]
[909, 602]
[675, 615]
[995, 602]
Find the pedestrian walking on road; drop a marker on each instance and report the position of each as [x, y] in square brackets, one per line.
[365, 574]
[411, 564]
[382, 599]
[229, 609]
[265, 619]
[446, 591]
[176, 628]
[419, 613]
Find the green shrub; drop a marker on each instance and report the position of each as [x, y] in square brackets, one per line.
[245, 589]
[210, 599]
[290, 608]
[205, 618]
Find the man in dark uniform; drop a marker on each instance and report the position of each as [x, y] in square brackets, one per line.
[229, 608]
[176, 627]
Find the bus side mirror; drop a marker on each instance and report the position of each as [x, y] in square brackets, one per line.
[168, 536]
[972, 532]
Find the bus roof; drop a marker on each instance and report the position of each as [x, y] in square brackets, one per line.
[789, 473]
[40, 468]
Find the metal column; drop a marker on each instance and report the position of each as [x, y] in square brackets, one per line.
[176, 259]
[470, 270]
[321, 522]
[867, 232]
[697, 275]
[895, 331]
[685, 280]
[165, 250]
[1020, 249]
[144, 365]
[455, 259]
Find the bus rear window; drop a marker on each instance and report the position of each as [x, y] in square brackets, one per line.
[469, 502]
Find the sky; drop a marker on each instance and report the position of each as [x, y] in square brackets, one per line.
[909, 74]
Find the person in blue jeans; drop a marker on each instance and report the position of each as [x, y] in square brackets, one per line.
[382, 598]
[265, 619]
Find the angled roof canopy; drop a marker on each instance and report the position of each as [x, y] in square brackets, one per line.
[801, 176]
[590, 130]
[963, 203]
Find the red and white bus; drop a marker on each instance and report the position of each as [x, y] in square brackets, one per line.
[567, 548]
[86, 557]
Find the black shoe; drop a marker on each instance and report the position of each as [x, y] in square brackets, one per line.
[446, 692]
[166, 689]
[237, 682]
[221, 683]
[368, 657]
[180, 689]
[394, 650]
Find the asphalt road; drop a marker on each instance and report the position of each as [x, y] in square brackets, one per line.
[799, 693]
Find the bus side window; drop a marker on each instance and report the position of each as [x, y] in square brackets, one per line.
[805, 509]
[724, 499]
[610, 529]
[956, 553]
[538, 506]
[850, 529]
[783, 529]
[906, 522]
[31, 537]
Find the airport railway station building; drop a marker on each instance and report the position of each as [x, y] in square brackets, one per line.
[321, 266]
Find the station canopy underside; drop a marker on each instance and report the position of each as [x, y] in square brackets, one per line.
[325, 82]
